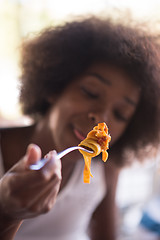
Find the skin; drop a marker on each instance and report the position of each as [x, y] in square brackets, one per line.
[102, 94]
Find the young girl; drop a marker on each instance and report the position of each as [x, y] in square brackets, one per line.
[75, 76]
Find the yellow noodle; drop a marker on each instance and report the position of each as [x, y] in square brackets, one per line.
[98, 141]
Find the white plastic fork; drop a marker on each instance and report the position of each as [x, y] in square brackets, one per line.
[38, 165]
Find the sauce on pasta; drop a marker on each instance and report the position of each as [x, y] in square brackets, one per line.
[98, 141]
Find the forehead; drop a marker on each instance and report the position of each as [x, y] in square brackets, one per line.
[115, 78]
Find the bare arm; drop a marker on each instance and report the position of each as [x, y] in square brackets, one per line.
[25, 193]
[103, 224]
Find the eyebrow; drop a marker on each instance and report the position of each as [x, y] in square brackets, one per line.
[102, 79]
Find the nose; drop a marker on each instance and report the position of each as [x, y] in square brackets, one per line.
[97, 117]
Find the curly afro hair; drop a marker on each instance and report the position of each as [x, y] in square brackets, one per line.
[58, 55]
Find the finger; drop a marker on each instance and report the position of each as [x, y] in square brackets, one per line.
[53, 165]
[32, 182]
[25, 199]
[45, 200]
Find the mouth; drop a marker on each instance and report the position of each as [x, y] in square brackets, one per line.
[79, 135]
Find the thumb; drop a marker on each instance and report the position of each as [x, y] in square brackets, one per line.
[33, 154]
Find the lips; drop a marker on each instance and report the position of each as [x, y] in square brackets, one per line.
[79, 135]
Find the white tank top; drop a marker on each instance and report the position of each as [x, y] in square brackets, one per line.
[70, 216]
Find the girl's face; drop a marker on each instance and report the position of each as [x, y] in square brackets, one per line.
[102, 94]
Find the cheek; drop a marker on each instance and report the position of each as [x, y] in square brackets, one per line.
[54, 117]
[57, 118]
[60, 112]
[59, 124]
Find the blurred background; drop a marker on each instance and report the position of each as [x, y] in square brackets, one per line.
[21, 18]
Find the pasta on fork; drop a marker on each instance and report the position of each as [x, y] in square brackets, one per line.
[97, 140]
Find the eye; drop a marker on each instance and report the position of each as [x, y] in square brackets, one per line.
[89, 93]
[120, 116]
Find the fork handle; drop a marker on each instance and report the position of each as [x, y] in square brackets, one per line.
[66, 151]
[38, 165]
